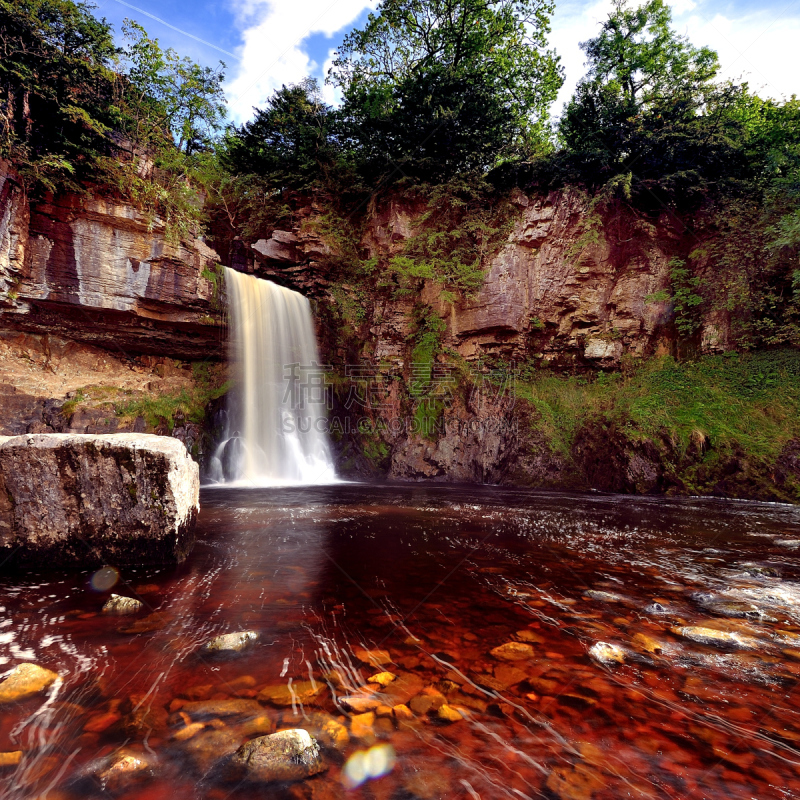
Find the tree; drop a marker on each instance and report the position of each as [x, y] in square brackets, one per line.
[288, 143]
[170, 93]
[56, 88]
[442, 86]
[648, 104]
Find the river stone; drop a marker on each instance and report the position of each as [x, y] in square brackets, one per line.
[284, 694]
[122, 499]
[358, 704]
[284, 756]
[605, 597]
[24, 681]
[327, 729]
[513, 651]
[607, 653]
[373, 658]
[382, 678]
[11, 758]
[230, 642]
[207, 749]
[715, 638]
[118, 604]
[448, 713]
[221, 708]
[124, 768]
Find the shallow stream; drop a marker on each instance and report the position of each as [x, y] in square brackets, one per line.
[485, 607]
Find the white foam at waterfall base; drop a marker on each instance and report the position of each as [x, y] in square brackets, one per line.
[276, 431]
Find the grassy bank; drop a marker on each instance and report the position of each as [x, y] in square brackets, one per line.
[693, 417]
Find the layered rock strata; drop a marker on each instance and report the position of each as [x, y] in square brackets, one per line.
[97, 270]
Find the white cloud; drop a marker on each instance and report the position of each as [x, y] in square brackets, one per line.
[757, 46]
[273, 52]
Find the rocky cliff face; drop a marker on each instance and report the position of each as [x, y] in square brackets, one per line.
[552, 293]
[99, 271]
[566, 290]
[81, 277]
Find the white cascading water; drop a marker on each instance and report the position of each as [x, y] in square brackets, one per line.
[276, 428]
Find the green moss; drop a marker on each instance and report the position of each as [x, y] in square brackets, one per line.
[376, 450]
[69, 408]
[749, 401]
[465, 222]
[187, 403]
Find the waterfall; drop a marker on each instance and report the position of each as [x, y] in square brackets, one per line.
[276, 423]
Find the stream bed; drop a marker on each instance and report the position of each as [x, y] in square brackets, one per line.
[437, 641]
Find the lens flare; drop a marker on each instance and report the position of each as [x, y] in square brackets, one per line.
[104, 579]
[366, 765]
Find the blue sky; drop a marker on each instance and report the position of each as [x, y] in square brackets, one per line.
[270, 42]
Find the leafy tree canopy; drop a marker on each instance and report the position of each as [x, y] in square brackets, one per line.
[648, 104]
[288, 143]
[171, 93]
[442, 86]
[56, 87]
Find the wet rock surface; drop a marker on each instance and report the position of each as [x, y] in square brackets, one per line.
[231, 642]
[118, 604]
[92, 500]
[24, 681]
[284, 756]
[103, 271]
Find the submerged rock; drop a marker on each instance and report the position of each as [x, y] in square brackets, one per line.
[287, 694]
[124, 768]
[10, 759]
[152, 622]
[448, 713]
[607, 653]
[118, 604]
[716, 638]
[360, 703]
[605, 597]
[361, 725]
[206, 749]
[221, 708]
[513, 651]
[284, 756]
[382, 678]
[231, 642]
[373, 658]
[328, 730]
[117, 499]
[24, 681]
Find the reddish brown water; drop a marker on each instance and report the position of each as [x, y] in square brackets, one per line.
[437, 577]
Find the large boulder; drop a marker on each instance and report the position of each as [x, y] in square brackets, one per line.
[118, 499]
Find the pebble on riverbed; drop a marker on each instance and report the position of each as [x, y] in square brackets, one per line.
[284, 756]
[123, 768]
[287, 694]
[448, 713]
[513, 651]
[119, 604]
[382, 678]
[24, 681]
[10, 759]
[715, 638]
[374, 658]
[230, 642]
[607, 653]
